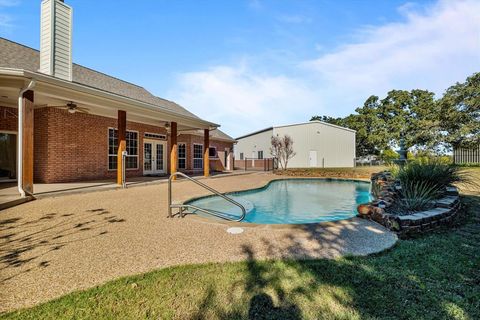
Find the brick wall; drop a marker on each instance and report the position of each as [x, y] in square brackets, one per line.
[74, 147]
[8, 119]
[216, 164]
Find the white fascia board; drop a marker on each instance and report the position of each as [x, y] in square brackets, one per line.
[315, 121]
[127, 103]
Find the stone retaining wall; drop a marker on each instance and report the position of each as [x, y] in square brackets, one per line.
[443, 212]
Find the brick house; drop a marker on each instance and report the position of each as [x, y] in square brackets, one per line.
[74, 122]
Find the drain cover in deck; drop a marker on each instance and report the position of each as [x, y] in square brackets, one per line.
[235, 230]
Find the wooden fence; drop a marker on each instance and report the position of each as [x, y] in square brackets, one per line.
[253, 164]
[464, 155]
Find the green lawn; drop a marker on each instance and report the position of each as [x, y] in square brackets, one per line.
[432, 277]
[361, 172]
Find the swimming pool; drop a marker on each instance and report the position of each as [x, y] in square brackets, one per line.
[293, 201]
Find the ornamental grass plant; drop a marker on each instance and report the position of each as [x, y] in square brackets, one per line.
[426, 180]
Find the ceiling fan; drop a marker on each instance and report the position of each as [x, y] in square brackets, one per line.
[72, 107]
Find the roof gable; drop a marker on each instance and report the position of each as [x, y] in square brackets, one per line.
[17, 56]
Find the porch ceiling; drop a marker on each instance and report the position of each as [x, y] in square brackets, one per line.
[50, 91]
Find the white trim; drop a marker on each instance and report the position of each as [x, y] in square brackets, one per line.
[216, 153]
[164, 135]
[178, 155]
[138, 149]
[9, 132]
[227, 159]
[129, 103]
[154, 143]
[314, 121]
[193, 155]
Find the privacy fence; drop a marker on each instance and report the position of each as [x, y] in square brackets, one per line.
[466, 155]
[254, 164]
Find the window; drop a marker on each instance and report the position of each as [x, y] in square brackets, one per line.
[197, 156]
[155, 136]
[182, 156]
[260, 155]
[241, 155]
[212, 152]
[131, 140]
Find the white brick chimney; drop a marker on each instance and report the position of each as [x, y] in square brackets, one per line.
[56, 39]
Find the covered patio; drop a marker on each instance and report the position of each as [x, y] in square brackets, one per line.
[53, 122]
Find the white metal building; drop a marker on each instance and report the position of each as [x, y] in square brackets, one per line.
[316, 144]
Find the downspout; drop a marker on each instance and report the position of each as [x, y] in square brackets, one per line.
[20, 138]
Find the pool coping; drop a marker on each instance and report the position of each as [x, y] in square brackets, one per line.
[286, 226]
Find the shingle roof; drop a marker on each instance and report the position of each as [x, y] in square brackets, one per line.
[214, 134]
[17, 56]
[220, 135]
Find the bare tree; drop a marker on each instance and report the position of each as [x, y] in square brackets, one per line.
[282, 149]
[276, 148]
[288, 153]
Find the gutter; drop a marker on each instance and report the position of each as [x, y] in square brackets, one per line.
[75, 86]
[20, 138]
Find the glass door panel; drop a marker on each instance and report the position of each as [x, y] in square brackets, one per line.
[147, 157]
[159, 161]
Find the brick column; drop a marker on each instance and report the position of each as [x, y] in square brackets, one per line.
[27, 161]
[122, 144]
[173, 148]
[206, 158]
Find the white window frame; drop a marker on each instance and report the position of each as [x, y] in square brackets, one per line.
[193, 156]
[116, 155]
[157, 136]
[258, 154]
[241, 156]
[178, 155]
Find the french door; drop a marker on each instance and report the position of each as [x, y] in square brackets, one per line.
[154, 157]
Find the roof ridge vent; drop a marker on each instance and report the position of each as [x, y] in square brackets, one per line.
[56, 39]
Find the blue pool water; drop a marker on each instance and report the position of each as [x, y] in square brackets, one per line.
[294, 201]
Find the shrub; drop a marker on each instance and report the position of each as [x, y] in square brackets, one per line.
[432, 173]
[388, 156]
[430, 159]
[416, 196]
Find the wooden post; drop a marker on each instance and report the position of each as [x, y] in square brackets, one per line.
[27, 161]
[122, 144]
[206, 158]
[173, 149]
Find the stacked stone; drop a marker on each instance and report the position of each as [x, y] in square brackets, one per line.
[386, 189]
[386, 193]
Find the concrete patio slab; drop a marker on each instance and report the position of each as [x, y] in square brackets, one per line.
[10, 197]
[52, 246]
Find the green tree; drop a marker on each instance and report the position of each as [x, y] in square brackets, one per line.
[388, 156]
[425, 123]
[328, 119]
[371, 133]
[460, 113]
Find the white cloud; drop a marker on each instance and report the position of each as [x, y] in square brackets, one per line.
[431, 49]
[6, 20]
[241, 100]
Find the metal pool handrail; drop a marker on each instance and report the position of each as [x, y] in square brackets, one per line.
[186, 206]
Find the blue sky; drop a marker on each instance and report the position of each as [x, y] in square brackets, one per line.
[254, 63]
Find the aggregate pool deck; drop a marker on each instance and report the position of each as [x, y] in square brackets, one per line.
[52, 246]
